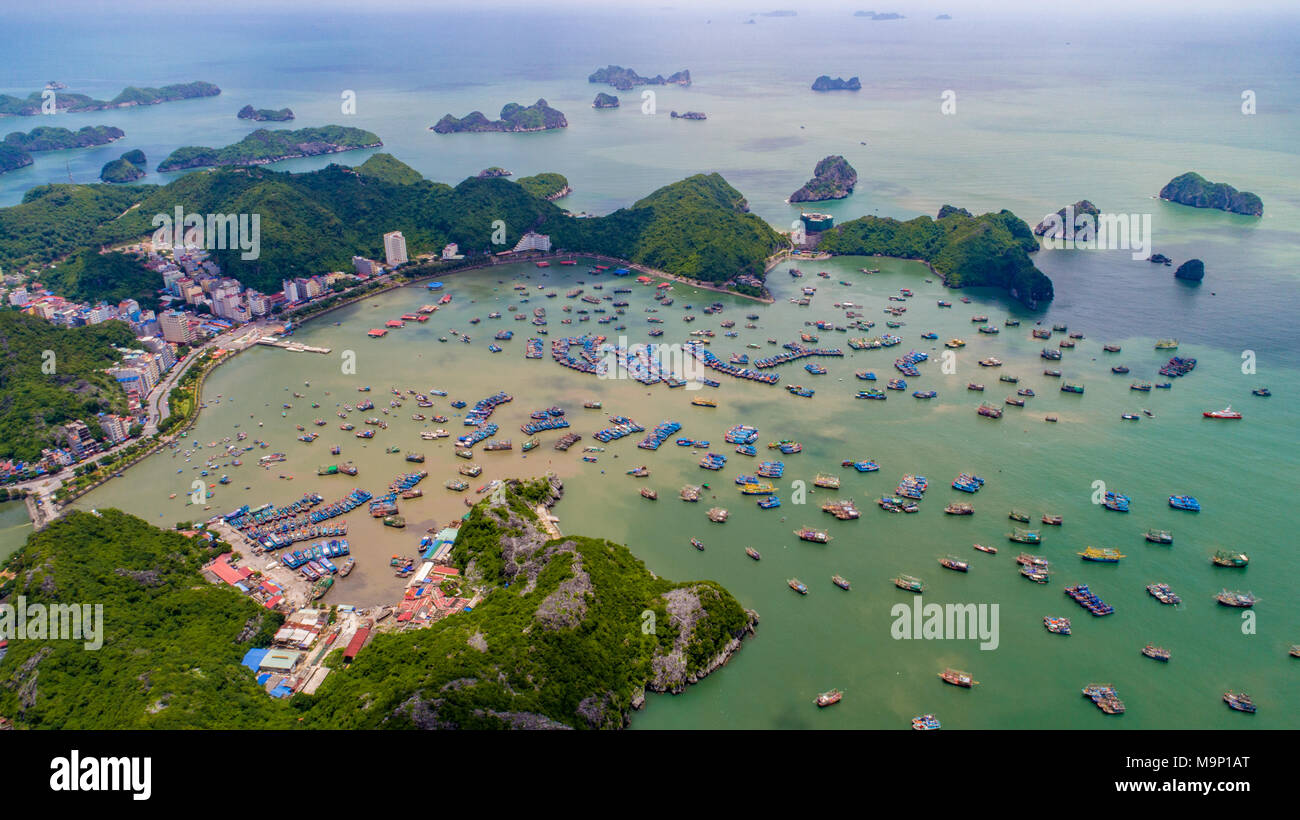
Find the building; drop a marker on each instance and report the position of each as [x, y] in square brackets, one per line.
[176, 327]
[117, 428]
[80, 441]
[533, 242]
[452, 252]
[290, 290]
[363, 266]
[395, 249]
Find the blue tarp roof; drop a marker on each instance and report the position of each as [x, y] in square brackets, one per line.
[263, 678]
[281, 691]
[253, 658]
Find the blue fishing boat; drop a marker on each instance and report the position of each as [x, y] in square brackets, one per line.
[1184, 502]
[924, 394]
[746, 450]
[769, 502]
[896, 384]
[866, 375]
[870, 394]
[1116, 501]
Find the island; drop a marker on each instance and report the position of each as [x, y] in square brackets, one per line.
[549, 187]
[1065, 222]
[494, 171]
[131, 96]
[11, 159]
[49, 138]
[688, 115]
[988, 250]
[1159, 259]
[880, 15]
[515, 118]
[127, 168]
[566, 613]
[1193, 270]
[833, 178]
[265, 114]
[263, 146]
[825, 83]
[1195, 190]
[624, 79]
[604, 100]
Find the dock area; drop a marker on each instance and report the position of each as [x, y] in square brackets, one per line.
[294, 347]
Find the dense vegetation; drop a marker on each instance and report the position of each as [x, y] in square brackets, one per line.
[987, 250]
[172, 641]
[314, 222]
[93, 277]
[625, 78]
[263, 146]
[546, 186]
[121, 170]
[833, 178]
[514, 117]
[33, 402]
[265, 114]
[604, 100]
[51, 138]
[130, 96]
[1193, 189]
[11, 159]
[569, 643]
[562, 646]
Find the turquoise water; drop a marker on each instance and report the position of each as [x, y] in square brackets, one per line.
[15, 526]
[1039, 124]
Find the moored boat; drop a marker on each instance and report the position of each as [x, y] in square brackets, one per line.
[840, 581]
[909, 584]
[1239, 701]
[1228, 558]
[1156, 652]
[958, 678]
[828, 698]
[798, 586]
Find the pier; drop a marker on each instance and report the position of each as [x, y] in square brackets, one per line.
[295, 347]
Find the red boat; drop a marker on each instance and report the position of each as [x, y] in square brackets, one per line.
[1225, 413]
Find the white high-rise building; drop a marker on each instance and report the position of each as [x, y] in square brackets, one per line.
[394, 248]
[533, 242]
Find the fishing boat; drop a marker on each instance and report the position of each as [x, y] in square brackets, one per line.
[456, 485]
[1243, 600]
[815, 536]
[704, 403]
[1057, 626]
[770, 502]
[1115, 501]
[1226, 413]
[989, 411]
[718, 515]
[798, 586]
[1015, 402]
[840, 581]
[690, 493]
[1239, 701]
[395, 521]
[1022, 536]
[925, 723]
[1105, 555]
[1159, 536]
[830, 482]
[1163, 593]
[829, 698]
[1156, 652]
[471, 470]
[959, 509]
[1184, 502]
[909, 584]
[843, 510]
[529, 444]
[1053, 520]
[646, 492]
[753, 553]
[983, 548]
[955, 564]
[958, 678]
[990, 362]
[698, 544]
[1105, 697]
[1263, 392]
[1016, 515]
[1167, 344]
[1227, 558]
[878, 395]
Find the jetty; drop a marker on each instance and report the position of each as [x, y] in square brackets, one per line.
[293, 347]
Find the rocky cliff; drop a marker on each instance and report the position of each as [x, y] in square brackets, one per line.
[1193, 189]
[825, 83]
[833, 178]
[515, 118]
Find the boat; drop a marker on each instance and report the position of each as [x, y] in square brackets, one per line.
[954, 564]
[1105, 555]
[1227, 558]
[840, 581]
[1053, 520]
[347, 567]
[828, 698]
[958, 678]
[752, 553]
[1243, 600]
[1261, 391]
[717, 515]
[909, 584]
[1239, 701]
[698, 544]
[815, 536]
[1167, 344]
[456, 485]
[1226, 413]
[1163, 594]
[959, 509]
[704, 402]
[1057, 626]
[395, 521]
[1016, 515]
[983, 548]
[1105, 697]
[925, 723]
[770, 502]
[1159, 536]
[798, 586]
[1156, 652]
[1022, 536]
[989, 411]
[646, 492]
[1184, 502]
[529, 444]
[690, 493]
[592, 405]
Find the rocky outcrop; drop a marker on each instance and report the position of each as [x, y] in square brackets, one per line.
[625, 79]
[1159, 259]
[248, 112]
[951, 210]
[515, 118]
[604, 100]
[833, 178]
[1195, 190]
[1193, 270]
[825, 83]
[689, 115]
[494, 171]
[1065, 220]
